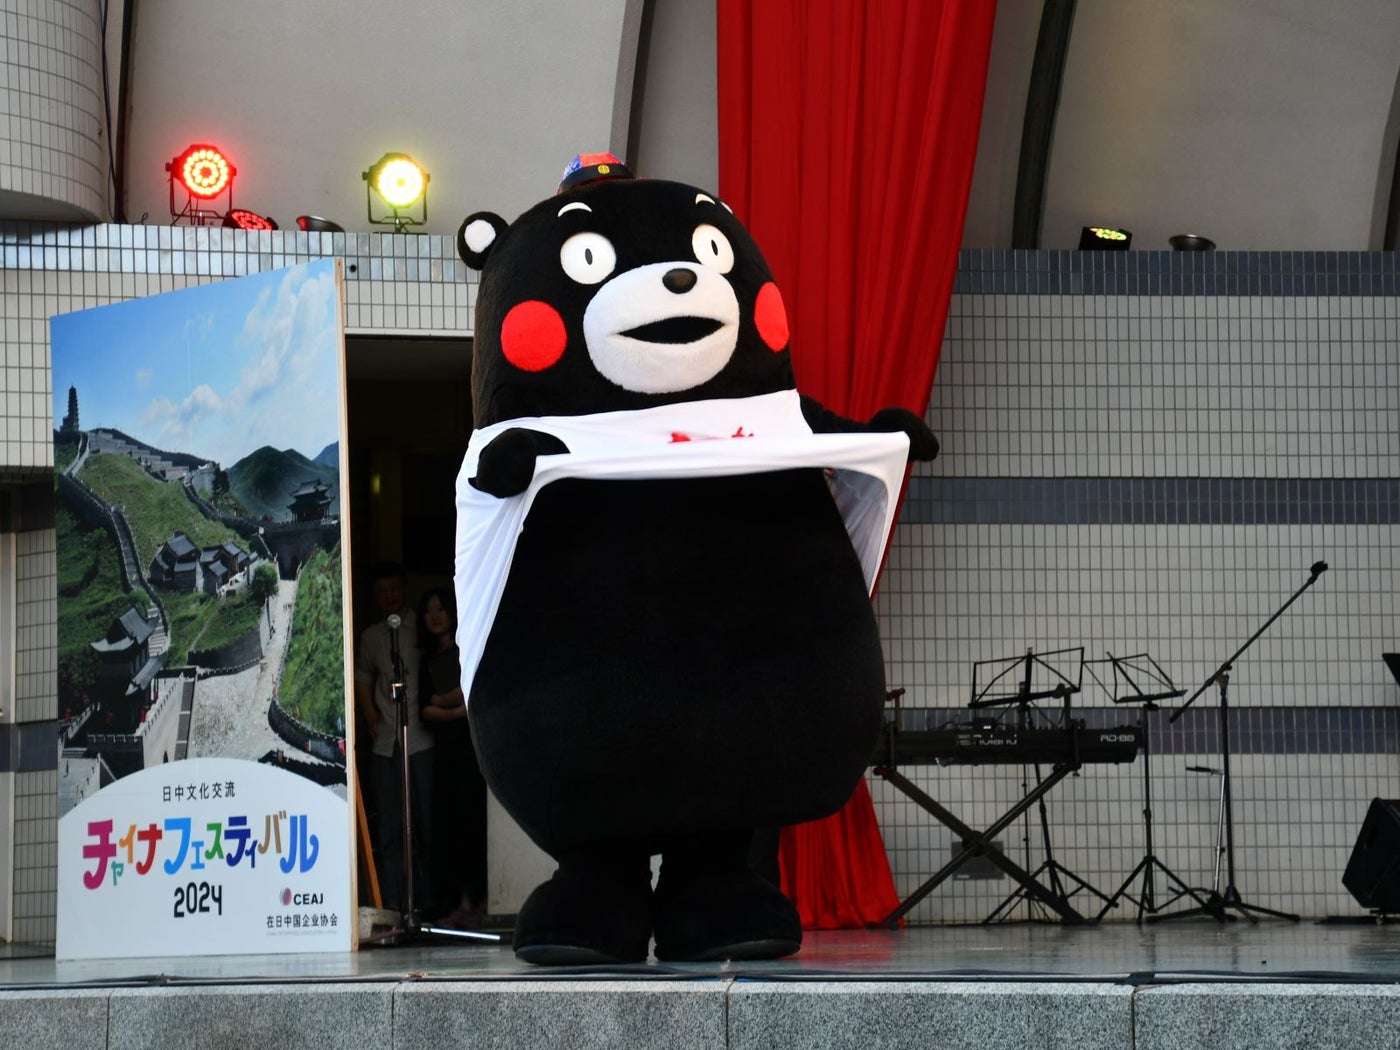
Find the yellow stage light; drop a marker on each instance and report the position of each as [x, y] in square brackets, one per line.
[1104, 238]
[401, 183]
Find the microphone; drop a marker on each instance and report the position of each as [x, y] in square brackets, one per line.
[394, 620]
[1319, 568]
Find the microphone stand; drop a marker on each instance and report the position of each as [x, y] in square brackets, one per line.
[1219, 905]
[410, 928]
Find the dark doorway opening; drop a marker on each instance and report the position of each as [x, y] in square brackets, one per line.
[409, 419]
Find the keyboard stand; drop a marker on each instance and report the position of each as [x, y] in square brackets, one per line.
[980, 844]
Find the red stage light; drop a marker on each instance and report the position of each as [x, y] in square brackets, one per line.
[248, 220]
[203, 170]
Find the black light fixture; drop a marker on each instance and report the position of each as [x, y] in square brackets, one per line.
[316, 224]
[1104, 239]
[1191, 242]
[401, 183]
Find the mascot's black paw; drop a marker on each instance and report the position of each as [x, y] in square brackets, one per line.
[507, 465]
[585, 918]
[923, 446]
[728, 915]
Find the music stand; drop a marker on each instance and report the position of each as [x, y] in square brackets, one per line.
[1044, 677]
[1219, 905]
[1042, 680]
[1138, 679]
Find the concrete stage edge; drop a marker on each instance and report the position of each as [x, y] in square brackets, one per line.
[1117, 985]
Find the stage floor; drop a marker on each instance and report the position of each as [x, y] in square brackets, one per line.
[1195, 951]
[1188, 985]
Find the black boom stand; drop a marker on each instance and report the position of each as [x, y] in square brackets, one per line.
[1220, 905]
[410, 928]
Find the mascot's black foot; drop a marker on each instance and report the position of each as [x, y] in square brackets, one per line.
[720, 915]
[581, 918]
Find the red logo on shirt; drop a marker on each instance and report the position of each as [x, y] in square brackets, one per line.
[678, 436]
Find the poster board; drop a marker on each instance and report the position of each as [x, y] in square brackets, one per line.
[204, 672]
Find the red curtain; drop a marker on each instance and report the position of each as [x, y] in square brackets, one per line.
[847, 134]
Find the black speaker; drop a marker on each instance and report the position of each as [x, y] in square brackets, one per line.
[1373, 873]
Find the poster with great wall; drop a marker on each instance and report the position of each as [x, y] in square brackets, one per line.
[203, 685]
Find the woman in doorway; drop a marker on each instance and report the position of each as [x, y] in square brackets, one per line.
[459, 792]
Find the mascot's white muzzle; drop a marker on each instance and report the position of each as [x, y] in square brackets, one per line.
[662, 328]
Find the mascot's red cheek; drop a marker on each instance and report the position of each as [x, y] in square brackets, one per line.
[770, 317]
[533, 336]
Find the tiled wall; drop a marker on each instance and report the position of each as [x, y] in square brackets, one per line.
[1147, 452]
[52, 137]
[1140, 455]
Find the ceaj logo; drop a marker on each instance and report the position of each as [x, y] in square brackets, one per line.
[289, 898]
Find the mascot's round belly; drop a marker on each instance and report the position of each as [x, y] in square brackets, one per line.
[632, 684]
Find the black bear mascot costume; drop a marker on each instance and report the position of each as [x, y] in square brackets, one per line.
[664, 561]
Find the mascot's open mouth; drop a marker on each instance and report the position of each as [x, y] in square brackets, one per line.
[675, 330]
[649, 339]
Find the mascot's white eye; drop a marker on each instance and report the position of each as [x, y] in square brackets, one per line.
[587, 257]
[712, 248]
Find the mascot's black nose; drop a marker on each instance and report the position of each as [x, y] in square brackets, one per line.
[679, 280]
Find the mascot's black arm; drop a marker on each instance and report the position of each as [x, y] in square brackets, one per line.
[507, 463]
[923, 446]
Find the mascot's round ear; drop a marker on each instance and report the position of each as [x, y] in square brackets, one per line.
[477, 235]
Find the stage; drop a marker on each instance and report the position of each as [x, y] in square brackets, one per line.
[1194, 983]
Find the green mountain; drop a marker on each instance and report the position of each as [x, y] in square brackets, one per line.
[313, 669]
[89, 576]
[263, 481]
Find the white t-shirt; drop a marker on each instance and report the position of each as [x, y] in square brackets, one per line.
[695, 439]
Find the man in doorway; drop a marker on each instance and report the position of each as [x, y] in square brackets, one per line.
[376, 674]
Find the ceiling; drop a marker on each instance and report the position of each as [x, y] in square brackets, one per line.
[1261, 124]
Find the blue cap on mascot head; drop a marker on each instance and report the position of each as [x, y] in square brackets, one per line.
[592, 167]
